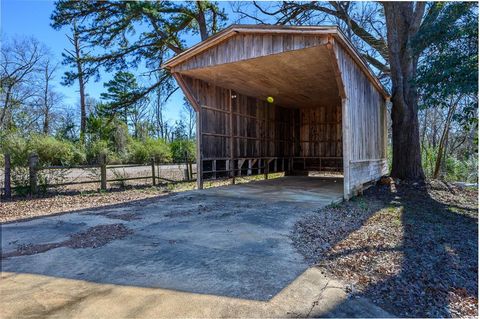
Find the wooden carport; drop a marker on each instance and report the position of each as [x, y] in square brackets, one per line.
[328, 111]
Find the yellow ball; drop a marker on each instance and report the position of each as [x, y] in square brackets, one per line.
[270, 99]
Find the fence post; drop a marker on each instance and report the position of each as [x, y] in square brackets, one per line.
[32, 168]
[103, 171]
[266, 168]
[189, 167]
[153, 171]
[7, 173]
[190, 176]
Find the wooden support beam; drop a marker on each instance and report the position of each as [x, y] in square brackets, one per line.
[199, 151]
[230, 129]
[214, 168]
[346, 149]
[336, 68]
[194, 102]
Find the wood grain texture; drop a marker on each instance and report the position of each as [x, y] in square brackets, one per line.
[365, 127]
[327, 113]
[300, 78]
[248, 46]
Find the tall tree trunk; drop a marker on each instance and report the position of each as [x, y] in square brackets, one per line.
[202, 23]
[46, 123]
[443, 141]
[3, 124]
[81, 83]
[403, 21]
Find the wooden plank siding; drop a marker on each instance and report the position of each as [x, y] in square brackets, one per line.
[365, 146]
[257, 130]
[260, 130]
[329, 111]
[244, 46]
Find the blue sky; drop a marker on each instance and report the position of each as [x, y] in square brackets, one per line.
[32, 18]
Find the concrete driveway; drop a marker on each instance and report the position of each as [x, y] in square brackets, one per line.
[227, 242]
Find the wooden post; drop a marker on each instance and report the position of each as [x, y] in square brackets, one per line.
[199, 151]
[153, 171]
[8, 190]
[32, 168]
[190, 169]
[346, 148]
[103, 171]
[198, 110]
[232, 164]
[266, 164]
[214, 169]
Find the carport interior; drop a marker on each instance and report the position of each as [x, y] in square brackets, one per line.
[241, 133]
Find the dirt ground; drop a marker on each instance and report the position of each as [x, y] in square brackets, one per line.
[79, 197]
[411, 249]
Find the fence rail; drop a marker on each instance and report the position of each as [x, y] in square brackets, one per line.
[101, 169]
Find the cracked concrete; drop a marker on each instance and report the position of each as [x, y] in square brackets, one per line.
[221, 252]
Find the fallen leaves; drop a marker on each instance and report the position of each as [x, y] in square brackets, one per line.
[24, 208]
[413, 252]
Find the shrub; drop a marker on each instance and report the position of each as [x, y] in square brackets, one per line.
[16, 146]
[79, 155]
[158, 149]
[143, 152]
[178, 149]
[51, 151]
[95, 149]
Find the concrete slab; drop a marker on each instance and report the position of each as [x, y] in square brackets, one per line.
[227, 242]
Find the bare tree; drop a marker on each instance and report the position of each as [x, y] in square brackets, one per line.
[189, 115]
[48, 98]
[18, 61]
[161, 95]
[74, 58]
[138, 115]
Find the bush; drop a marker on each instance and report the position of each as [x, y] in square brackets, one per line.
[461, 170]
[178, 149]
[16, 146]
[51, 151]
[143, 152]
[95, 149]
[159, 150]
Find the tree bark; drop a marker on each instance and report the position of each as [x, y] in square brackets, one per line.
[403, 21]
[46, 106]
[4, 110]
[443, 141]
[81, 84]
[202, 23]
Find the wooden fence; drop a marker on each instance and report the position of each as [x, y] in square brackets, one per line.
[34, 169]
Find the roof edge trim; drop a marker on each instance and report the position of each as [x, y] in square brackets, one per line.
[273, 29]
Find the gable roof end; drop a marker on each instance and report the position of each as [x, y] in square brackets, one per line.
[234, 29]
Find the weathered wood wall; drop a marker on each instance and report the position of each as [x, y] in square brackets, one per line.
[242, 133]
[238, 131]
[364, 114]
